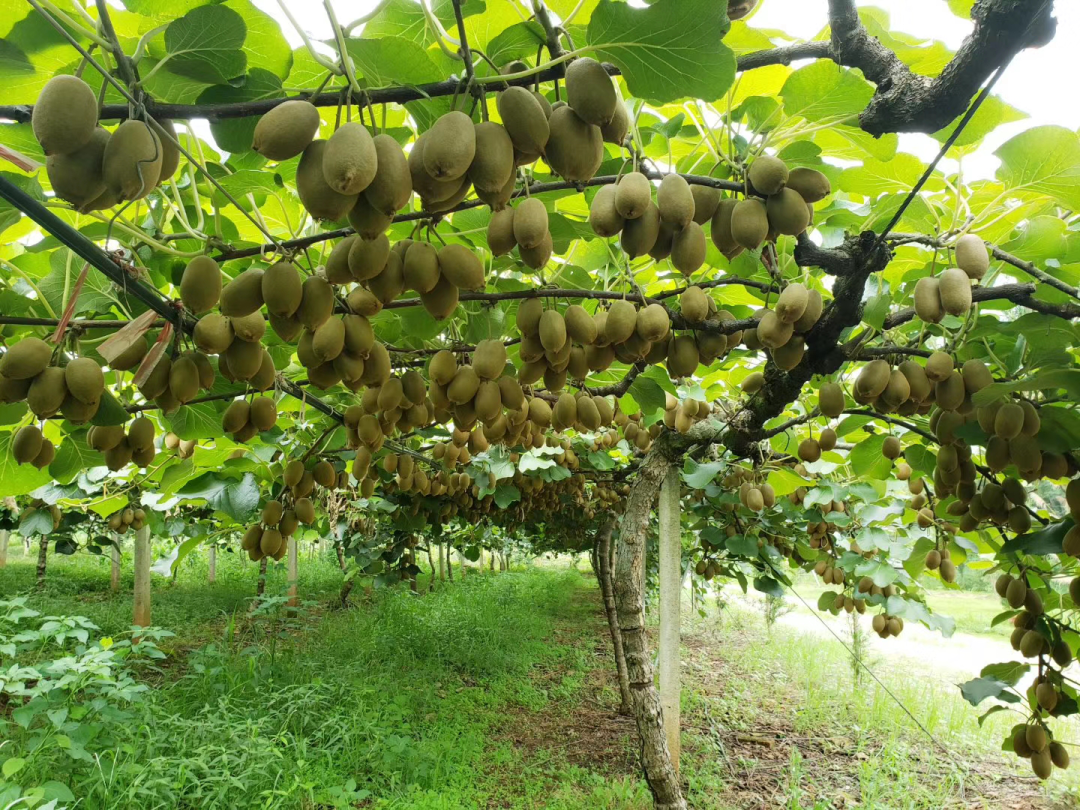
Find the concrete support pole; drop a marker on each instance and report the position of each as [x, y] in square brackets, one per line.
[294, 572]
[211, 575]
[142, 577]
[114, 554]
[670, 560]
[5, 535]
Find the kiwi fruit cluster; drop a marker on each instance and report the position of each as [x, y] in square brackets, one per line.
[244, 418]
[887, 626]
[184, 448]
[665, 229]
[121, 520]
[28, 374]
[122, 446]
[282, 516]
[1032, 741]
[948, 293]
[524, 227]
[87, 165]
[683, 415]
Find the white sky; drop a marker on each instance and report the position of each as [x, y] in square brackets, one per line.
[1037, 82]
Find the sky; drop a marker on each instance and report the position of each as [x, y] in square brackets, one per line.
[1028, 84]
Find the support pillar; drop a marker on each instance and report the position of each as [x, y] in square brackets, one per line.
[142, 577]
[114, 554]
[211, 575]
[5, 535]
[294, 572]
[670, 561]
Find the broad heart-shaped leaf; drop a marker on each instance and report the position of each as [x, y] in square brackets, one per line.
[18, 479]
[516, 42]
[1009, 673]
[866, 459]
[205, 45]
[110, 412]
[1044, 541]
[73, 456]
[392, 60]
[673, 49]
[647, 394]
[770, 586]
[506, 494]
[1043, 159]
[237, 498]
[698, 476]
[821, 91]
[201, 421]
[37, 522]
[977, 690]
[235, 134]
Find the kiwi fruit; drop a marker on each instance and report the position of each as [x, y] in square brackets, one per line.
[721, 234]
[872, 379]
[184, 379]
[443, 367]
[575, 148]
[170, 153]
[243, 295]
[213, 333]
[927, 300]
[47, 392]
[131, 162]
[814, 307]
[286, 130]
[604, 217]
[1009, 421]
[243, 359]
[84, 380]
[493, 163]
[706, 201]
[615, 130]
[45, 456]
[954, 289]
[749, 223]
[316, 302]
[768, 175]
[590, 91]
[528, 316]
[787, 212]
[682, 356]
[792, 302]
[976, 376]
[328, 340]
[773, 332]
[652, 323]
[489, 359]
[451, 146]
[26, 444]
[639, 235]
[263, 413]
[688, 249]
[442, 299]
[552, 330]
[250, 327]
[349, 160]
[972, 256]
[25, 359]
[580, 326]
[317, 196]
[77, 176]
[809, 450]
[812, 185]
[200, 285]
[622, 320]
[366, 220]
[524, 120]
[391, 186]
[390, 283]
[65, 115]
[282, 289]
[236, 416]
[677, 203]
[530, 223]
[461, 267]
[500, 232]
[368, 257]
[633, 195]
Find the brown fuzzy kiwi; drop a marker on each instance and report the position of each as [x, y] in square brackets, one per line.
[814, 307]
[749, 223]
[927, 300]
[639, 235]
[263, 413]
[368, 257]
[282, 289]
[131, 163]
[792, 302]
[65, 115]
[676, 202]
[235, 416]
[530, 223]
[328, 339]
[768, 175]
[575, 148]
[170, 154]
[790, 354]
[614, 131]
[316, 195]
[939, 365]
[442, 300]
[77, 176]
[972, 256]
[580, 326]
[213, 333]
[461, 267]
[316, 302]
[706, 202]
[242, 295]
[552, 330]
[652, 323]
[500, 232]
[489, 359]
[349, 160]
[84, 380]
[812, 185]
[450, 147]
[25, 359]
[524, 120]
[590, 91]
[872, 379]
[528, 316]
[366, 220]
[688, 249]
[604, 217]
[694, 304]
[26, 444]
[244, 359]
[809, 450]
[493, 164]
[391, 187]
[184, 379]
[633, 195]
[682, 357]
[200, 285]
[286, 130]
[47, 392]
[787, 212]
[954, 289]
[621, 321]
[773, 332]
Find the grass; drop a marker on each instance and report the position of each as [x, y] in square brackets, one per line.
[496, 691]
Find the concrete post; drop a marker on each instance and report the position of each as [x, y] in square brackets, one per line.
[670, 561]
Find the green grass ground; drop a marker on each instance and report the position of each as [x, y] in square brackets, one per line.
[494, 692]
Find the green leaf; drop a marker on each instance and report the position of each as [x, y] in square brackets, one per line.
[671, 50]
[201, 421]
[1045, 380]
[110, 412]
[769, 586]
[237, 498]
[12, 766]
[977, 690]
[38, 521]
[822, 92]
[866, 459]
[1047, 540]
[1043, 159]
[205, 45]
[18, 479]
[647, 394]
[9, 214]
[506, 494]
[742, 545]
[699, 476]
[392, 60]
[235, 134]
[516, 42]
[73, 456]
[1009, 673]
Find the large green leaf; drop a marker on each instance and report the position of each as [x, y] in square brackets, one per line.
[821, 92]
[73, 456]
[18, 479]
[237, 498]
[205, 45]
[671, 50]
[1043, 159]
[235, 134]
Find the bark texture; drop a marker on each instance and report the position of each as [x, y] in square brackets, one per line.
[605, 554]
[42, 561]
[660, 774]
